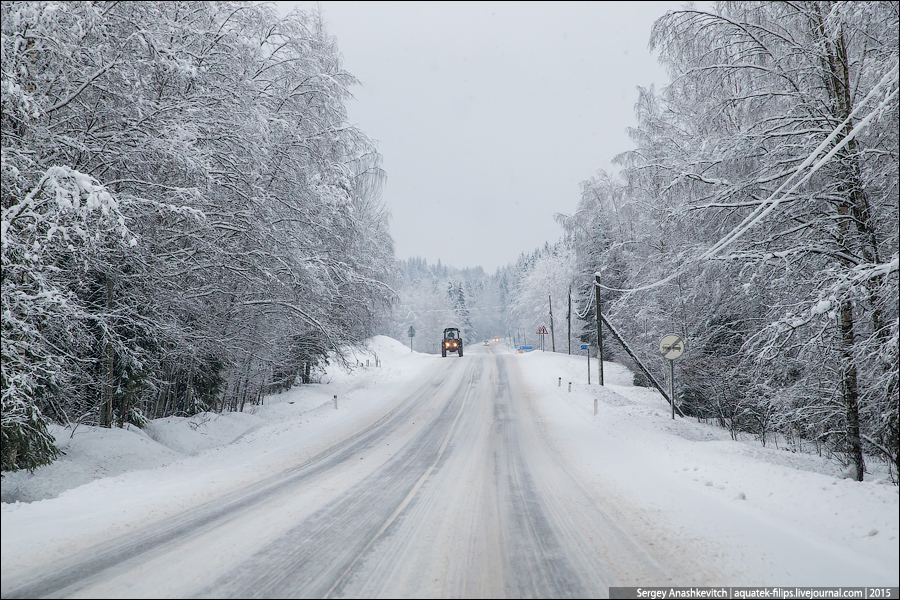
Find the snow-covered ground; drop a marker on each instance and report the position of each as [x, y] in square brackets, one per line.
[693, 483]
[110, 481]
[236, 441]
[781, 518]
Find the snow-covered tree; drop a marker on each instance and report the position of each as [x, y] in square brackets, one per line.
[432, 297]
[188, 218]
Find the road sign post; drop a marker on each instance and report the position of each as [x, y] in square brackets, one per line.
[411, 333]
[671, 347]
[542, 331]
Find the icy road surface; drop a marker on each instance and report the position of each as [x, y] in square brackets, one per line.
[456, 490]
[453, 477]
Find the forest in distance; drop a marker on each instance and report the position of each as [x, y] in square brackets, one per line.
[189, 223]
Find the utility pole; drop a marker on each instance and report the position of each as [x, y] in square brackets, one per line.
[552, 337]
[569, 320]
[599, 332]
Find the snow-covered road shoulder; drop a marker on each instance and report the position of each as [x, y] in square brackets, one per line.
[113, 480]
[779, 517]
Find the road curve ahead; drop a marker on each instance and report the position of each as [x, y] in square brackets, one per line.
[457, 491]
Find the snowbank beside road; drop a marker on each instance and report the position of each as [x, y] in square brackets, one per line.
[111, 480]
[92, 453]
[782, 518]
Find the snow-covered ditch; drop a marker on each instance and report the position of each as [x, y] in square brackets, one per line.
[780, 518]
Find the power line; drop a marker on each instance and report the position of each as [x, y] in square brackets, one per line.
[763, 210]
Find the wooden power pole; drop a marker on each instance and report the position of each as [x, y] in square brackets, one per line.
[569, 319]
[552, 337]
[599, 332]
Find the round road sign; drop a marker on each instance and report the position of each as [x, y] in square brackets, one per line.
[671, 347]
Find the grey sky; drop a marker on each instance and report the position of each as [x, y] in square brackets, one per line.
[488, 115]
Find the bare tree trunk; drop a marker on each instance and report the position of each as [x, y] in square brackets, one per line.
[223, 395]
[850, 390]
[188, 399]
[165, 401]
[106, 410]
[244, 395]
[159, 396]
[854, 208]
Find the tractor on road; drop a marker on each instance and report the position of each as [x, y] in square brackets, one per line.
[452, 341]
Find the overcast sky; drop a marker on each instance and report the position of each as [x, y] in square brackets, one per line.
[488, 115]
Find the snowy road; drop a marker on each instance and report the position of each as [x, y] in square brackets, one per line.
[456, 491]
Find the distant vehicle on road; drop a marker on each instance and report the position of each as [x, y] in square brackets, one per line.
[496, 339]
[452, 341]
[487, 343]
